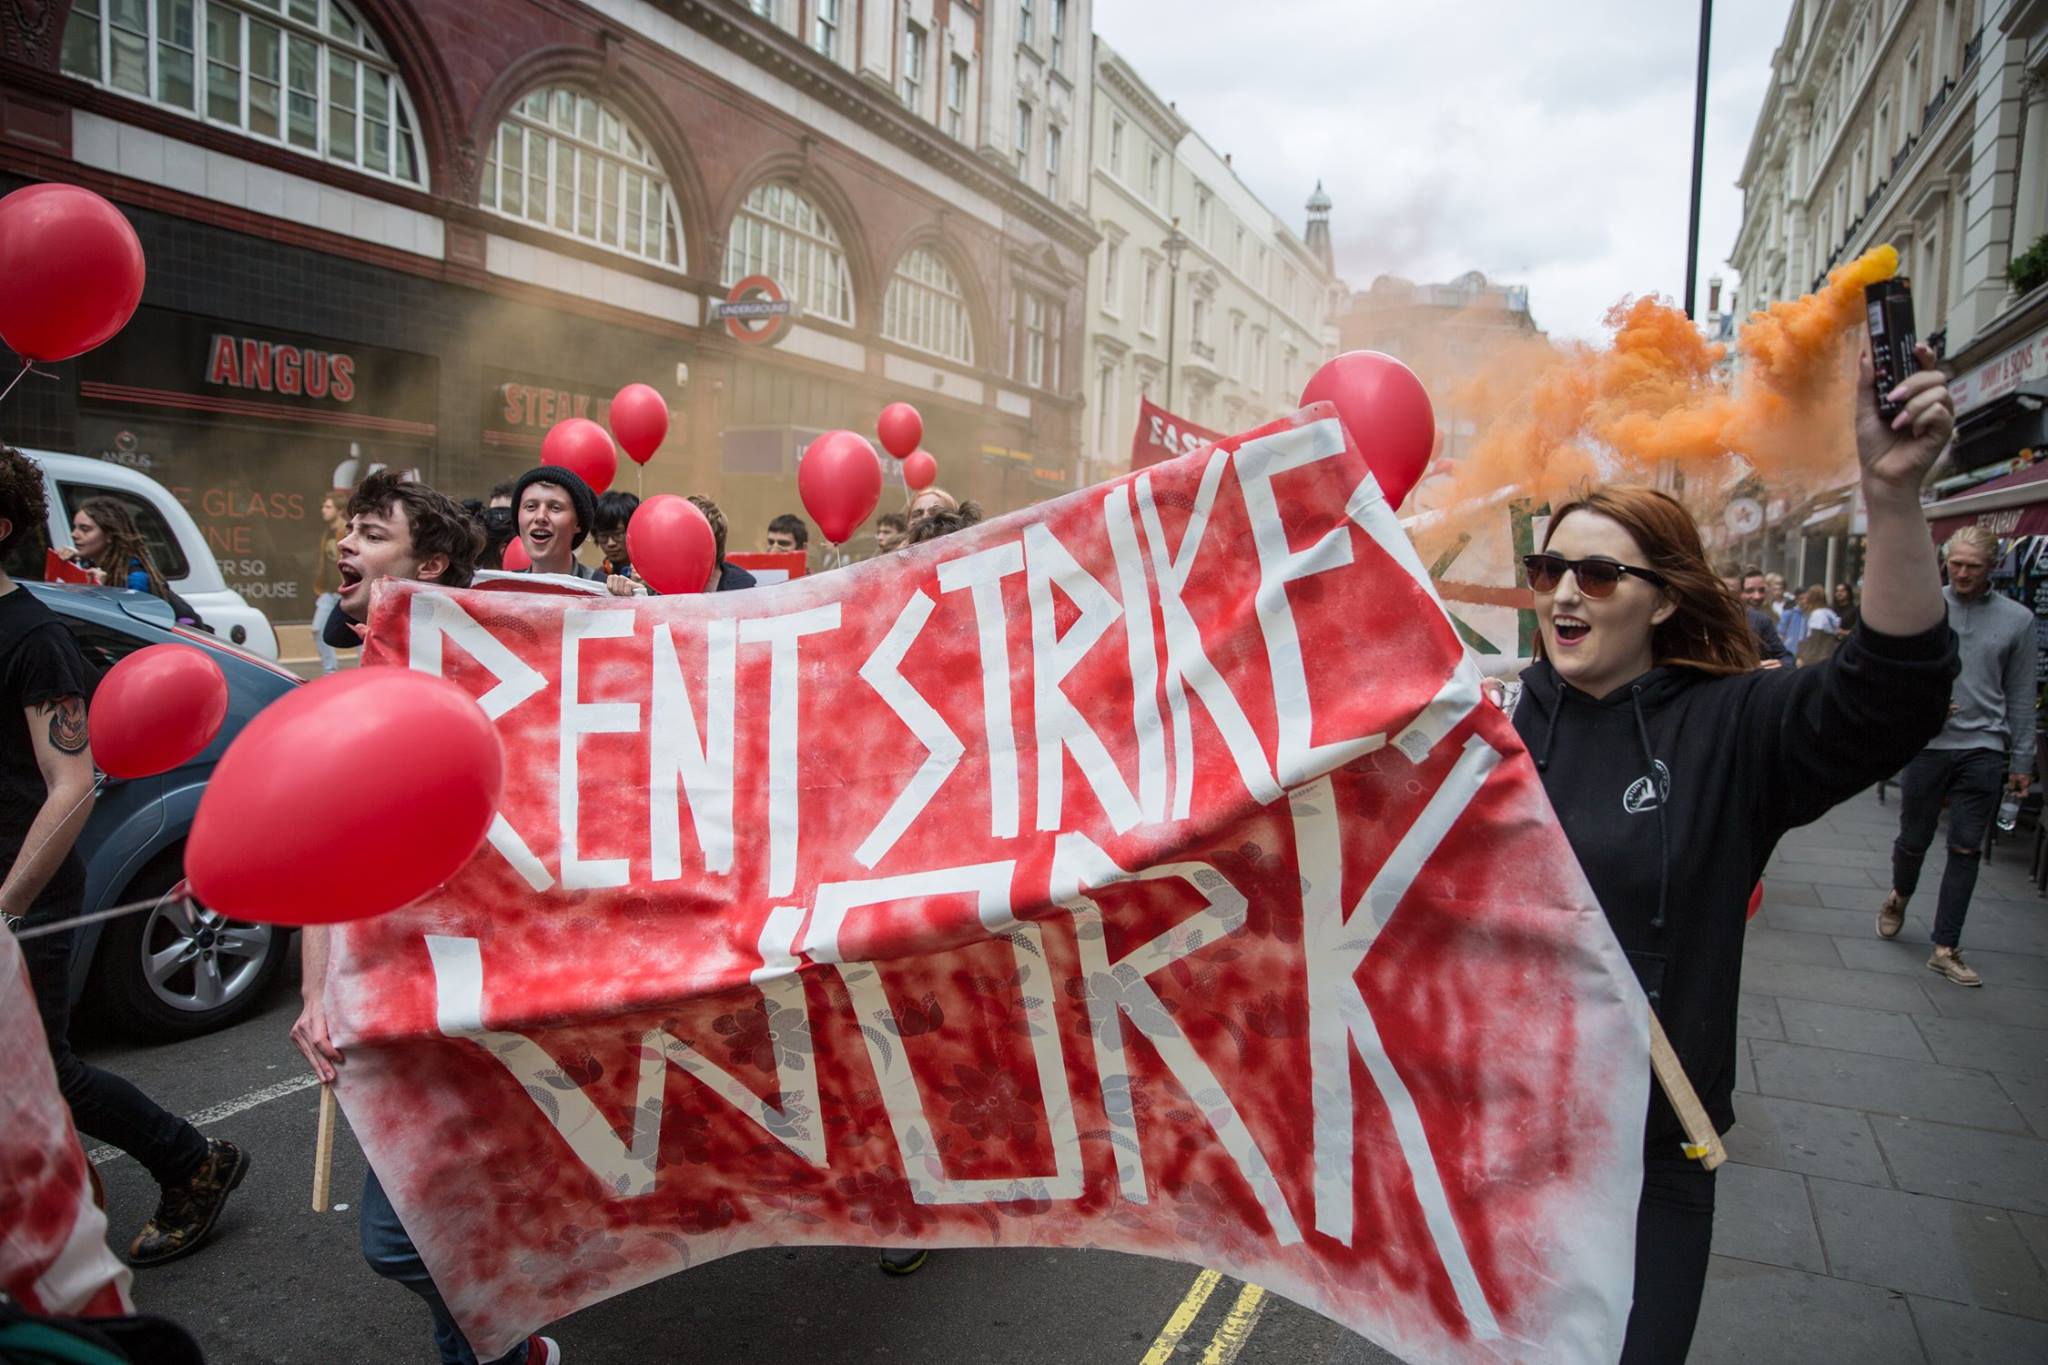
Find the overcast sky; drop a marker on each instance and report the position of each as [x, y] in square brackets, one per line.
[1546, 145]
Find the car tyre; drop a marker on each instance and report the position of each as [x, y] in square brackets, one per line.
[178, 971]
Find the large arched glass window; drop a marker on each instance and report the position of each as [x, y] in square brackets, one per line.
[306, 74]
[924, 307]
[571, 163]
[780, 233]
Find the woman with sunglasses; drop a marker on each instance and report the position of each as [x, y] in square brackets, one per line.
[1675, 765]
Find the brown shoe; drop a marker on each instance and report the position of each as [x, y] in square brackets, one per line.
[1892, 916]
[186, 1213]
[1949, 962]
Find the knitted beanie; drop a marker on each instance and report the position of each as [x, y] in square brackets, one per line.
[580, 496]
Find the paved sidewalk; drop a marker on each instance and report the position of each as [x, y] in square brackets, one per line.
[1886, 1196]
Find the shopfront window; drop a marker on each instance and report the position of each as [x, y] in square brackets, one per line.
[569, 162]
[925, 308]
[780, 233]
[305, 74]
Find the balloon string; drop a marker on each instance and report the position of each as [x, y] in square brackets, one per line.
[96, 916]
[26, 365]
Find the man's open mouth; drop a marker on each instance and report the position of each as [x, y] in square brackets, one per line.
[350, 576]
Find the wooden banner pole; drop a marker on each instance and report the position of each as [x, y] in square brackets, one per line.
[323, 1150]
[1702, 1143]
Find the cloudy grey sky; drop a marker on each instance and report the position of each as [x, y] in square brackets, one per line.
[1548, 145]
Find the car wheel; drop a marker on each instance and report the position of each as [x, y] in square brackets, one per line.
[178, 969]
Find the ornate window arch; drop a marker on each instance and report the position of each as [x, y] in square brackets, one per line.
[781, 233]
[569, 162]
[309, 75]
[925, 307]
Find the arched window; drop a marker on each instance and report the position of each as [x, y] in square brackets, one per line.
[781, 234]
[306, 74]
[571, 163]
[925, 308]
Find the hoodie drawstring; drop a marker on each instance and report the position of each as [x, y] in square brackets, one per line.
[1550, 734]
[1657, 792]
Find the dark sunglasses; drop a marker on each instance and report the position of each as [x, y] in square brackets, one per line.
[1597, 577]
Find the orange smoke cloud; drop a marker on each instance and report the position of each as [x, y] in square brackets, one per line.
[1550, 416]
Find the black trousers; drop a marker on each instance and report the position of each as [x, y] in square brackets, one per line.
[103, 1106]
[1674, 1232]
[1970, 780]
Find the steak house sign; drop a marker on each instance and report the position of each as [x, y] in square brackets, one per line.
[1140, 871]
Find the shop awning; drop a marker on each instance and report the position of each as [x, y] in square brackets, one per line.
[2015, 505]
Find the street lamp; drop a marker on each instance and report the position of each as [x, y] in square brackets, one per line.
[1176, 242]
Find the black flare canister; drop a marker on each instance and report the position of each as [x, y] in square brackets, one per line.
[1891, 339]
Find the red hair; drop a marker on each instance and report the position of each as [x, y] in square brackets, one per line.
[1709, 631]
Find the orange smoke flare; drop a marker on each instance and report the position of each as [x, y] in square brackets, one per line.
[1550, 416]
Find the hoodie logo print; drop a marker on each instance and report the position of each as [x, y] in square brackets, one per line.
[1640, 798]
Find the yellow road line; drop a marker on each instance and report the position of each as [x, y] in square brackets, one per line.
[1237, 1326]
[1183, 1318]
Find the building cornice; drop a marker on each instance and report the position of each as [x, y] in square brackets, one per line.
[783, 55]
[1118, 74]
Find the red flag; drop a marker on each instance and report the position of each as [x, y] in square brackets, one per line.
[1137, 872]
[57, 569]
[1162, 436]
[770, 567]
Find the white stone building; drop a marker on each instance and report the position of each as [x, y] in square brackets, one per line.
[1200, 297]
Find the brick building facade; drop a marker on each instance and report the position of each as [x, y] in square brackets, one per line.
[418, 233]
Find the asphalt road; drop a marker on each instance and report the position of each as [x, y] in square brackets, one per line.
[280, 1283]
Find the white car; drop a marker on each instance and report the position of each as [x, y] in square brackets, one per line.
[174, 539]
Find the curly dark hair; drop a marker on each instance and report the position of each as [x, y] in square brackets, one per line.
[437, 522]
[24, 503]
[932, 525]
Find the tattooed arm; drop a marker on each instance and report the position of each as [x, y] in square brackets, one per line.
[64, 755]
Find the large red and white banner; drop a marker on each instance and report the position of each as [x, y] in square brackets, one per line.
[1140, 871]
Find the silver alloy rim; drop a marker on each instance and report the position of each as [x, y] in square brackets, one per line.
[196, 960]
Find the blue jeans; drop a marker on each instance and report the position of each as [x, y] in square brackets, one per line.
[324, 606]
[390, 1252]
[1970, 780]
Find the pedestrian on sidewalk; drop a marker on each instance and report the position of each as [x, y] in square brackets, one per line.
[1822, 635]
[326, 580]
[46, 796]
[1676, 764]
[1746, 585]
[1986, 747]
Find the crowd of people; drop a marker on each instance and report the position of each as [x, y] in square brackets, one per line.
[1683, 719]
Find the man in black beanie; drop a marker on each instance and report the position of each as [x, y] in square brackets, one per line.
[556, 511]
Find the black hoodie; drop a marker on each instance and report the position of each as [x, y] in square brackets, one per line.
[1737, 761]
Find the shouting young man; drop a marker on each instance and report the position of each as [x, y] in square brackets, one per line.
[46, 795]
[397, 530]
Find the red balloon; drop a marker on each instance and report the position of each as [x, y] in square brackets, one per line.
[671, 544]
[157, 710]
[70, 271]
[289, 832]
[516, 559]
[840, 479]
[1386, 413]
[900, 428]
[640, 421]
[920, 469]
[585, 449]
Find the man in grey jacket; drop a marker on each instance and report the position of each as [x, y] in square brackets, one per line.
[1987, 747]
